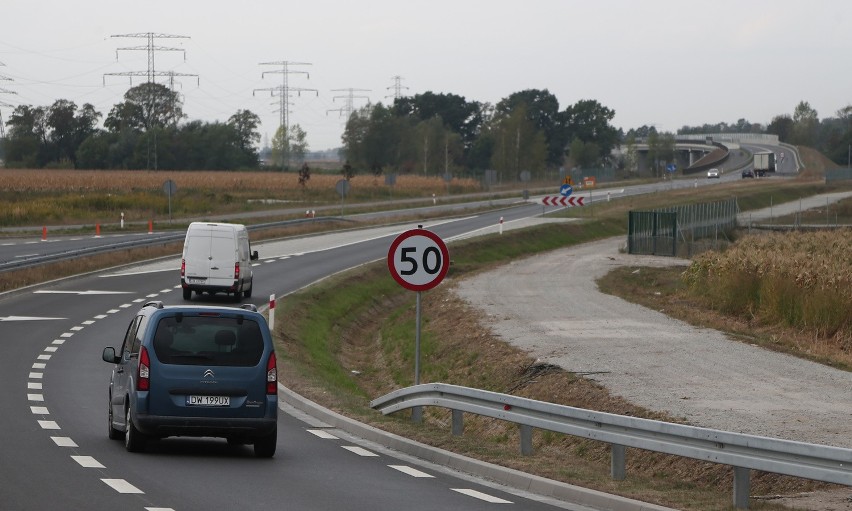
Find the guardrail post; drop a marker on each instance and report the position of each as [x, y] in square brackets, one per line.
[742, 486]
[618, 464]
[526, 440]
[458, 422]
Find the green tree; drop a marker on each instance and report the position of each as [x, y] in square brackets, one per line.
[781, 125]
[589, 121]
[289, 146]
[146, 106]
[542, 110]
[518, 145]
[805, 124]
[245, 123]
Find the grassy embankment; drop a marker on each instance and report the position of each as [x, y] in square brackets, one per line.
[349, 340]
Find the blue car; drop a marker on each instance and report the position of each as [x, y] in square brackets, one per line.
[198, 371]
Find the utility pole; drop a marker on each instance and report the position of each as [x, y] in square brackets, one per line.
[283, 90]
[397, 87]
[151, 73]
[349, 105]
[2, 103]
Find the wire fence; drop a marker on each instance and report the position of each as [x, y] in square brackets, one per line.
[682, 230]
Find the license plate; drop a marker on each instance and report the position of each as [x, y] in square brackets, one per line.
[208, 401]
[196, 281]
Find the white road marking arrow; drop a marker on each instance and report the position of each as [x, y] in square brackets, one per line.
[25, 318]
[82, 293]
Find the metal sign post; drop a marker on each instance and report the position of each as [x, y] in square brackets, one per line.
[418, 260]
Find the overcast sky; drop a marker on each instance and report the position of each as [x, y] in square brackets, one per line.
[662, 63]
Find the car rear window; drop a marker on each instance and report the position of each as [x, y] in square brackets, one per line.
[208, 340]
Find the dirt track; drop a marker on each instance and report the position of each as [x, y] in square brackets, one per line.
[549, 305]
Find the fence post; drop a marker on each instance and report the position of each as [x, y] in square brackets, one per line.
[458, 422]
[618, 464]
[526, 440]
[741, 487]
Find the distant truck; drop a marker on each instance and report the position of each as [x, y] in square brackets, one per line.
[764, 161]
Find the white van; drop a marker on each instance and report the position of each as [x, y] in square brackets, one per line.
[216, 259]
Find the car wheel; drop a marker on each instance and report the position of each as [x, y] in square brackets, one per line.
[114, 434]
[247, 293]
[187, 293]
[134, 440]
[264, 447]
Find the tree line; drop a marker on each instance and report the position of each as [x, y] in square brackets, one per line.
[141, 132]
[440, 134]
[429, 134]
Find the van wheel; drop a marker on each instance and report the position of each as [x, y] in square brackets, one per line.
[238, 295]
[134, 440]
[247, 294]
[264, 447]
[187, 293]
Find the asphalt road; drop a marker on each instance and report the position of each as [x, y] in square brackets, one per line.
[57, 453]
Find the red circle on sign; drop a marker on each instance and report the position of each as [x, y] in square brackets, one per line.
[418, 259]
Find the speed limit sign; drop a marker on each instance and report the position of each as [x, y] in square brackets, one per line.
[418, 259]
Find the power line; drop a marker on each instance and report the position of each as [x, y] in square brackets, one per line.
[397, 87]
[3, 103]
[151, 73]
[283, 90]
[349, 105]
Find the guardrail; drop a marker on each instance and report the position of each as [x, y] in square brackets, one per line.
[740, 451]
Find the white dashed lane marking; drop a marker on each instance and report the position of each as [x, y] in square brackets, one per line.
[63, 441]
[39, 410]
[34, 385]
[122, 486]
[322, 434]
[48, 425]
[481, 496]
[413, 472]
[359, 450]
[87, 462]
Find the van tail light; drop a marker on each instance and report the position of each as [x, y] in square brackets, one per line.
[271, 375]
[236, 271]
[182, 268]
[143, 372]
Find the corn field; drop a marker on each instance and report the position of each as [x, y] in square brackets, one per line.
[34, 197]
[798, 279]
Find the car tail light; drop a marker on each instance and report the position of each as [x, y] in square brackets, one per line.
[271, 375]
[143, 372]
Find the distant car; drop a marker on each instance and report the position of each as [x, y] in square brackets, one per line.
[199, 371]
[713, 173]
[748, 173]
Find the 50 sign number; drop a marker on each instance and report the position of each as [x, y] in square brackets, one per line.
[418, 259]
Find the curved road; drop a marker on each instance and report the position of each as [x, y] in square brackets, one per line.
[57, 453]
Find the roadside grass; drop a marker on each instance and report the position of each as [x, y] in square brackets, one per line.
[369, 336]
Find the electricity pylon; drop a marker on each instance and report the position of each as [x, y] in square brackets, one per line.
[283, 90]
[397, 87]
[151, 73]
[349, 105]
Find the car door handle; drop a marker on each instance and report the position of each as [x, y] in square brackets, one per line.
[119, 370]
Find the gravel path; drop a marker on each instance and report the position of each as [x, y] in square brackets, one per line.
[549, 305]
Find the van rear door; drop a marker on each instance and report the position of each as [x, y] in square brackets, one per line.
[223, 258]
[197, 256]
